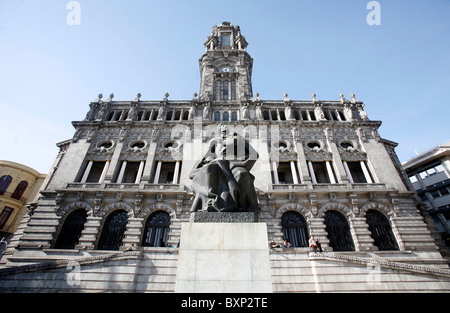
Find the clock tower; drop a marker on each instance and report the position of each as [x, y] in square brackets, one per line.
[226, 67]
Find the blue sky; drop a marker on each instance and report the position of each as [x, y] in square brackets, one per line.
[50, 71]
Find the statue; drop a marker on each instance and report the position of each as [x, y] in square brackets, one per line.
[245, 113]
[222, 180]
[258, 110]
[288, 111]
[206, 111]
[161, 112]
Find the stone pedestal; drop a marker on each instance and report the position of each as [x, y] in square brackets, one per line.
[224, 257]
[224, 217]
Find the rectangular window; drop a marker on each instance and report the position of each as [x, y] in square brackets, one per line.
[131, 171]
[357, 172]
[218, 89]
[225, 91]
[4, 216]
[226, 40]
[233, 90]
[320, 171]
[168, 170]
[285, 173]
[435, 194]
[444, 191]
[439, 168]
[96, 172]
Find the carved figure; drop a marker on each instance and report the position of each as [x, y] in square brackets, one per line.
[222, 180]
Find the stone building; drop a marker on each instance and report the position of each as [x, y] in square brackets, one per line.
[429, 174]
[112, 208]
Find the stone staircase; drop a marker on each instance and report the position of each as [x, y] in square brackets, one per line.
[298, 270]
[152, 270]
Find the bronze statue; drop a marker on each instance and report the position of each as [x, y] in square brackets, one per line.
[222, 180]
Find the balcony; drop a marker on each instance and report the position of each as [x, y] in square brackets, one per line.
[122, 186]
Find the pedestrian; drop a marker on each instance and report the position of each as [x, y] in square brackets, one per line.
[318, 245]
[312, 243]
[273, 244]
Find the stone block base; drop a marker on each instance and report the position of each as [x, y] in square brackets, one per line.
[223, 257]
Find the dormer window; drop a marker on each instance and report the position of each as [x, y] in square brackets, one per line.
[225, 40]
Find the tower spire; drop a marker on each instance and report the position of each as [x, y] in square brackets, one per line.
[225, 67]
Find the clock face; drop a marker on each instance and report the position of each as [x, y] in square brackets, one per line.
[226, 69]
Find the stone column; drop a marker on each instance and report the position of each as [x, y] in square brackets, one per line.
[139, 174]
[122, 172]
[86, 172]
[347, 171]
[157, 172]
[105, 170]
[311, 172]
[366, 173]
[176, 173]
[275, 173]
[294, 172]
[330, 172]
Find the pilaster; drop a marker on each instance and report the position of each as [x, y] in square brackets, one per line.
[133, 233]
[317, 229]
[90, 233]
[362, 236]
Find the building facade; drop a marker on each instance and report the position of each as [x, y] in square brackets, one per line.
[120, 188]
[19, 184]
[429, 174]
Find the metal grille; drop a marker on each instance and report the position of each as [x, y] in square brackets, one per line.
[71, 230]
[113, 231]
[156, 232]
[338, 231]
[381, 231]
[295, 229]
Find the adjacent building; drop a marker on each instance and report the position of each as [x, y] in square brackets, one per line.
[429, 174]
[113, 203]
[19, 185]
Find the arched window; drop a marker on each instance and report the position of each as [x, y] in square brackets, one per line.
[4, 183]
[381, 231]
[113, 231]
[338, 231]
[234, 116]
[20, 189]
[71, 230]
[156, 231]
[217, 116]
[226, 116]
[295, 229]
